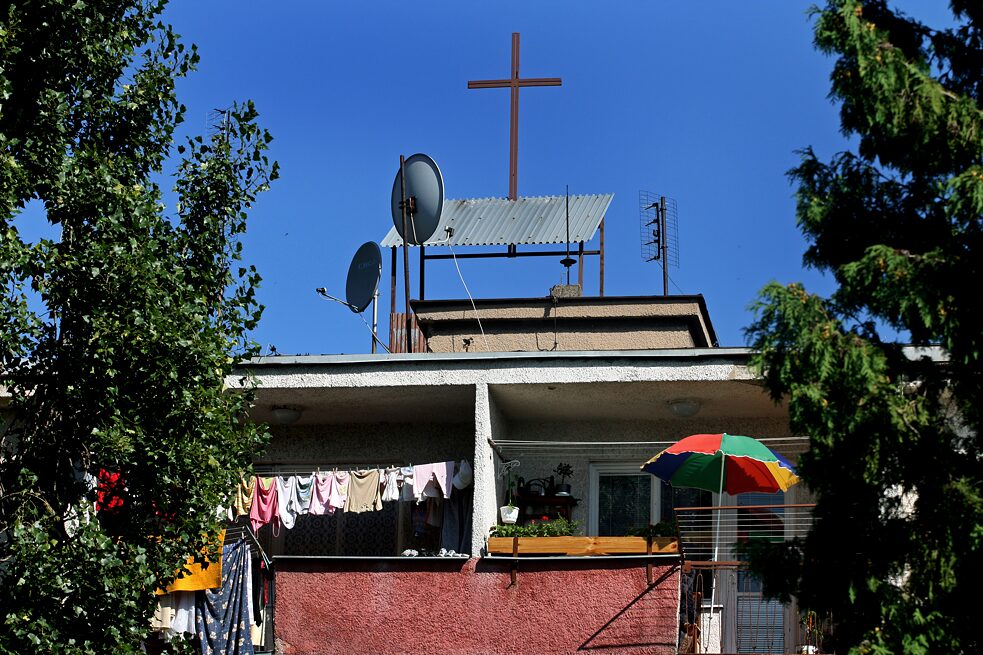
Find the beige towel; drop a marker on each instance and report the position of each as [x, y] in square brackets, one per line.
[364, 494]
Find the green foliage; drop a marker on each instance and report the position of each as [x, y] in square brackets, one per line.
[559, 527]
[896, 454]
[660, 529]
[564, 471]
[118, 336]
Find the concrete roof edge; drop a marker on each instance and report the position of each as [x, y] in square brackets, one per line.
[432, 358]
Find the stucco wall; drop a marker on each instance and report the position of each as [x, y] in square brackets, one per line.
[374, 444]
[468, 608]
[563, 337]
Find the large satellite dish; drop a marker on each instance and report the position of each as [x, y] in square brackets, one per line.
[425, 185]
[363, 276]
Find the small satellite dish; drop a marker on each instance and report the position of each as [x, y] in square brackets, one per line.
[425, 184]
[363, 276]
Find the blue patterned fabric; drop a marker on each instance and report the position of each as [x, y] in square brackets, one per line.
[223, 614]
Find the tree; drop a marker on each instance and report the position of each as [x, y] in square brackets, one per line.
[896, 459]
[118, 335]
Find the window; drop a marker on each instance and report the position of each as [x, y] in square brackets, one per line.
[623, 497]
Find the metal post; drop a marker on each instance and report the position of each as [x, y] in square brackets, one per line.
[602, 258]
[665, 246]
[423, 272]
[580, 266]
[375, 319]
[406, 250]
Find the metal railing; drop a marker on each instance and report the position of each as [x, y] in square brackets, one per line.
[713, 536]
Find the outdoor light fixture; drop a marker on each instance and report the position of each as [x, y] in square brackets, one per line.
[286, 414]
[684, 407]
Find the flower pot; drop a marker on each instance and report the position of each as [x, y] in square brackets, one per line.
[509, 513]
[563, 490]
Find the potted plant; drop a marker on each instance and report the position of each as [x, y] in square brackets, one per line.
[564, 471]
[509, 512]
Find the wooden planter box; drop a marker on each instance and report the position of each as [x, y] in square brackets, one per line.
[580, 545]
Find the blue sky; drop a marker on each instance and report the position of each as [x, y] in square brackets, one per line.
[705, 102]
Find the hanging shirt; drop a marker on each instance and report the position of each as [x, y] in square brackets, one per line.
[339, 494]
[286, 487]
[242, 502]
[390, 485]
[264, 507]
[364, 493]
[300, 501]
[321, 494]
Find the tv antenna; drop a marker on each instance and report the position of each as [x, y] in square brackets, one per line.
[362, 286]
[417, 201]
[659, 228]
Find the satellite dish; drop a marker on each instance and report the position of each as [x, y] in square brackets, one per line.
[425, 184]
[363, 276]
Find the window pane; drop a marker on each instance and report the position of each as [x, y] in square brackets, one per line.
[624, 501]
[673, 497]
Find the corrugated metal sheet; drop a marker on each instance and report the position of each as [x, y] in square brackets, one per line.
[500, 222]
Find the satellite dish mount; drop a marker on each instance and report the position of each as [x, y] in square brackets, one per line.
[417, 201]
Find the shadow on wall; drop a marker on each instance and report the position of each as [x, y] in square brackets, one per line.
[614, 634]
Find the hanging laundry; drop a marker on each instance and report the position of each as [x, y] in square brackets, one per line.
[183, 618]
[455, 533]
[363, 491]
[406, 493]
[286, 486]
[435, 512]
[433, 480]
[223, 623]
[242, 502]
[339, 495]
[264, 509]
[463, 476]
[390, 485]
[164, 613]
[321, 494]
[300, 500]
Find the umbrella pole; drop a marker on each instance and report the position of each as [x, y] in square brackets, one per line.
[716, 541]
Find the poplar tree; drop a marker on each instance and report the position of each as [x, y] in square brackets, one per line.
[120, 329]
[896, 553]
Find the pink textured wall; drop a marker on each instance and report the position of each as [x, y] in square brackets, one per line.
[467, 607]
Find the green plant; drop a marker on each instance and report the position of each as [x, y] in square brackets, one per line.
[660, 529]
[564, 471]
[560, 527]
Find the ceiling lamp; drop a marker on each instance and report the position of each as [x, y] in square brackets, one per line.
[286, 414]
[684, 407]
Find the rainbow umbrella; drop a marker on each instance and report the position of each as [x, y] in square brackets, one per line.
[723, 462]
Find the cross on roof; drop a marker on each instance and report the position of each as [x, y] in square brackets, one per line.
[513, 84]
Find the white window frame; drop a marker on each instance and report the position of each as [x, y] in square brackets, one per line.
[597, 469]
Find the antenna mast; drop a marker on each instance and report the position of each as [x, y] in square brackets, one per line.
[659, 229]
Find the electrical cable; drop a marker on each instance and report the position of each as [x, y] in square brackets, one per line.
[468, 291]
[322, 293]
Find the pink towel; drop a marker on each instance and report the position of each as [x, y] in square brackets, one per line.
[441, 473]
[264, 507]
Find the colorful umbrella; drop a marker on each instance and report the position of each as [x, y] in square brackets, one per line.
[723, 462]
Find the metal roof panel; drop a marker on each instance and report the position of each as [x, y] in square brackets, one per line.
[501, 222]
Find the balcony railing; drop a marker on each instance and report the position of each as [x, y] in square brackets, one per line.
[710, 536]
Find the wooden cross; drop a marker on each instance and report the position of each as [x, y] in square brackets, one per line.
[514, 83]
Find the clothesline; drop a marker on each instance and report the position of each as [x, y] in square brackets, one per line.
[279, 498]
